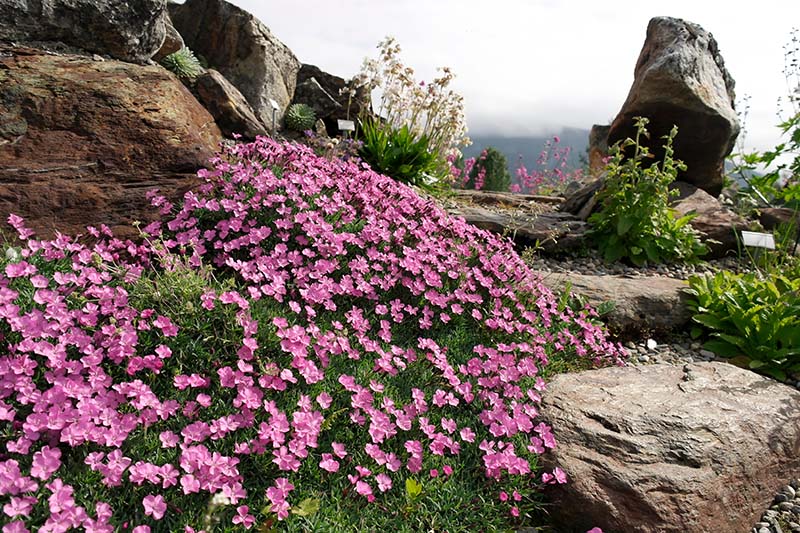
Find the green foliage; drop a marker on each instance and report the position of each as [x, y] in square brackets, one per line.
[753, 319]
[399, 154]
[183, 64]
[300, 117]
[775, 174]
[635, 220]
[493, 167]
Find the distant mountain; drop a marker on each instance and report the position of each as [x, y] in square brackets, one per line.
[529, 148]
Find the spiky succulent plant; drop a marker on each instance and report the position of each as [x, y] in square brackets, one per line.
[300, 117]
[183, 64]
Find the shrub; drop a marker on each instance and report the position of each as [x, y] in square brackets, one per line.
[489, 172]
[753, 319]
[635, 220]
[303, 345]
[183, 64]
[300, 117]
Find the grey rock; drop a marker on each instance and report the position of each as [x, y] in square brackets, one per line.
[172, 41]
[715, 221]
[661, 448]
[226, 104]
[128, 30]
[243, 49]
[680, 79]
[652, 304]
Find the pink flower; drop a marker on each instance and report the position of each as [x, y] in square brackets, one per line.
[503, 496]
[384, 482]
[244, 517]
[338, 450]
[514, 511]
[434, 472]
[329, 463]
[154, 506]
[45, 462]
[448, 470]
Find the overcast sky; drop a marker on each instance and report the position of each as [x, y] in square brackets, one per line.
[532, 66]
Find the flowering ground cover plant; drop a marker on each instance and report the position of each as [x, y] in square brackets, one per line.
[301, 345]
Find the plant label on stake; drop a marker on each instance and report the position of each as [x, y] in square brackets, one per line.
[758, 240]
[275, 108]
[346, 125]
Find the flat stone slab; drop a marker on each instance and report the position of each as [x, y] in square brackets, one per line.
[551, 230]
[641, 304]
[664, 448]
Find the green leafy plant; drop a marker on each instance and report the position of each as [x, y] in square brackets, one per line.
[411, 110]
[750, 318]
[183, 64]
[300, 117]
[635, 220]
[399, 154]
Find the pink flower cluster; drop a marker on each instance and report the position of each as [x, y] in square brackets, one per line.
[552, 174]
[356, 262]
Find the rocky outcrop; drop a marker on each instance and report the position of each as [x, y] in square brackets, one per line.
[328, 95]
[243, 49]
[668, 449]
[640, 305]
[528, 219]
[226, 104]
[82, 141]
[680, 79]
[131, 30]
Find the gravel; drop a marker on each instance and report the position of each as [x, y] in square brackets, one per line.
[592, 264]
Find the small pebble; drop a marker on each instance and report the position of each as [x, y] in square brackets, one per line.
[785, 506]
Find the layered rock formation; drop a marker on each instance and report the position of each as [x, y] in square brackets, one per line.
[82, 141]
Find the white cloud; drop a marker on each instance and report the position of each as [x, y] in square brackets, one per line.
[527, 66]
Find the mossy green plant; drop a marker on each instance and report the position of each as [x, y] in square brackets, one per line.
[183, 64]
[300, 117]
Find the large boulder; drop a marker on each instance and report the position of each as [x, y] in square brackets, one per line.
[651, 304]
[127, 30]
[243, 49]
[668, 449]
[82, 141]
[680, 79]
[226, 104]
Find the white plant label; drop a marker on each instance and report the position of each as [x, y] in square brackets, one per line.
[346, 125]
[758, 240]
[274, 104]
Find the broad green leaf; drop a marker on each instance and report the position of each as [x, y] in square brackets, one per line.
[307, 507]
[413, 488]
